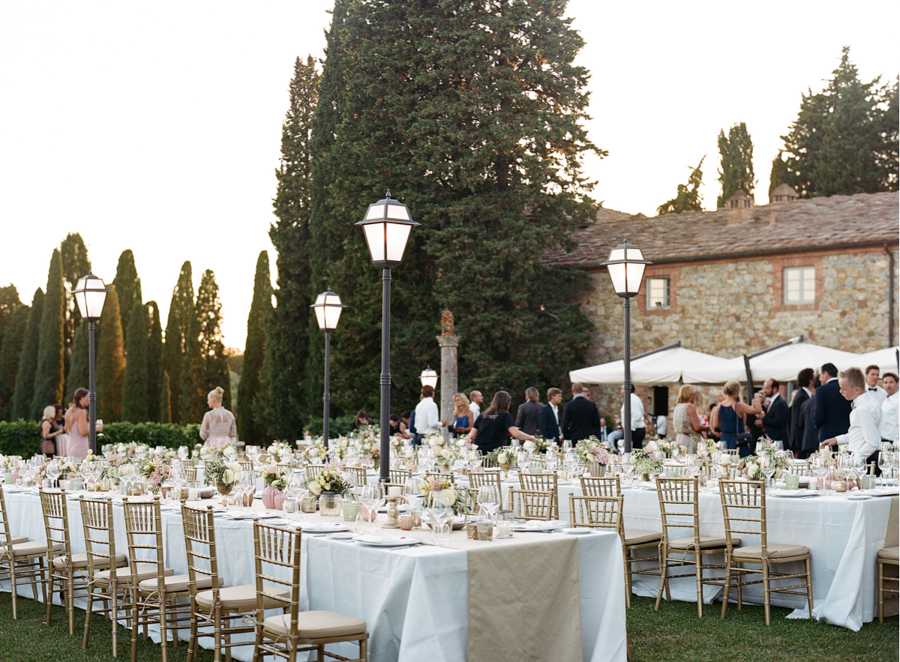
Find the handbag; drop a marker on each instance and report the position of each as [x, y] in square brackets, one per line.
[742, 438]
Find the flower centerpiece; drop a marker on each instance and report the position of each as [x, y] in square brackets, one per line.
[370, 449]
[646, 462]
[276, 482]
[540, 444]
[506, 457]
[593, 452]
[436, 490]
[328, 485]
[155, 471]
[315, 453]
[751, 467]
[279, 449]
[222, 474]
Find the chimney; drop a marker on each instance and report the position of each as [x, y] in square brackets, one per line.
[739, 208]
[783, 193]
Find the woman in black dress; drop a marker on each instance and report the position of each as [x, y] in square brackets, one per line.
[495, 426]
[50, 429]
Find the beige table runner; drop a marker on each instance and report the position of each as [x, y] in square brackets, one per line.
[524, 601]
[891, 538]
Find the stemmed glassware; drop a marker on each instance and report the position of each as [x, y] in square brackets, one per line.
[372, 499]
[412, 492]
[176, 478]
[489, 500]
[820, 468]
[53, 472]
[886, 464]
[767, 465]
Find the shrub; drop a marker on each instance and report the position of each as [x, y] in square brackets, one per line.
[20, 438]
[342, 425]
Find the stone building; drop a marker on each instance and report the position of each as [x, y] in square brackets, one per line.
[745, 277]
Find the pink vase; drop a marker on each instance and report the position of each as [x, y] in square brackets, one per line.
[272, 498]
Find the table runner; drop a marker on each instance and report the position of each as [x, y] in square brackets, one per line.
[501, 628]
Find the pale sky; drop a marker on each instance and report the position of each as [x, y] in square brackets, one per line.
[157, 126]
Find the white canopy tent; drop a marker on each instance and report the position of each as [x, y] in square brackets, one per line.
[665, 366]
[885, 359]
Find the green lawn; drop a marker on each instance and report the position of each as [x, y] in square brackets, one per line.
[673, 634]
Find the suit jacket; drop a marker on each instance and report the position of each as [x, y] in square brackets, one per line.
[527, 417]
[832, 412]
[547, 423]
[807, 431]
[776, 420]
[795, 439]
[581, 419]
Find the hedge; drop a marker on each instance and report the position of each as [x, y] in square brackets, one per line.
[342, 425]
[24, 437]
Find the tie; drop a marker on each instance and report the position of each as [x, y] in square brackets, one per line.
[873, 389]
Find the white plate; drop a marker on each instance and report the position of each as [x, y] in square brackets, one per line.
[539, 525]
[262, 514]
[323, 527]
[858, 497]
[377, 541]
[790, 493]
[578, 531]
[342, 535]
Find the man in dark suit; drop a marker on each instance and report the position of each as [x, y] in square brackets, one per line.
[581, 419]
[548, 416]
[801, 395]
[527, 415]
[775, 415]
[832, 412]
[809, 439]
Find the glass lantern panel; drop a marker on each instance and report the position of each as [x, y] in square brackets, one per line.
[375, 240]
[617, 276]
[396, 237]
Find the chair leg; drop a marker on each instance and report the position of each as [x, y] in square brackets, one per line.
[727, 584]
[134, 626]
[698, 571]
[766, 594]
[12, 582]
[663, 580]
[51, 583]
[809, 591]
[192, 641]
[87, 617]
[627, 580]
[70, 602]
[114, 614]
[163, 629]
[740, 584]
[880, 594]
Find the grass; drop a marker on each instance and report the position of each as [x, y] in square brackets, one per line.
[675, 634]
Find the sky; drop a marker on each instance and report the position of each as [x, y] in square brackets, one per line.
[157, 126]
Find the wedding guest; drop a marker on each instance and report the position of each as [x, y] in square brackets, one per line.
[218, 427]
[495, 426]
[638, 426]
[548, 418]
[801, 395]
[77, 426]
[832, 413]
[661, 424]
[397, 428]
[475, 400]
[463, 417]
[362, 419]
[581, 419]
[809, 435]
[62, 439]
[527, 414]
[774, 418]
[405, 421]
[730, 416]
[428, 420]
[50, 430]
[873, 372]
[863, 436]
[604, 430]
[890, 409]
[686, 420]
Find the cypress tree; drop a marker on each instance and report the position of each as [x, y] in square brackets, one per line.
[110, 360]
[165, 398]
[135, 395]
[13, 339]
[79, 374]
[284, 402]
[735, 163]
[28, 360]
[154, 363]
[181, 315]
[128, 287]
[9, 306]
[75, 265]
[688, 197]
[49, 379]
[250, 427]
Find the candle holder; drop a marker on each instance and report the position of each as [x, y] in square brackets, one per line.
[393, 511]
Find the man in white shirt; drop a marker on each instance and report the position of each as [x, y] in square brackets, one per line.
[873, 372]
[475, 400]
[428, 419]
[638, 426]
[890, 409]
[864, 436]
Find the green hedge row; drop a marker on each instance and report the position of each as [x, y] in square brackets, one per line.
[342, 425]
[24, 437]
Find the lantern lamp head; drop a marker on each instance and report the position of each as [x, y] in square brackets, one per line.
[626, 266]
[90, 295]
[328, 309]
[429, 377]
[386, 225]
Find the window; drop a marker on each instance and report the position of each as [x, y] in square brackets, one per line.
[657, 293]
[799, 285]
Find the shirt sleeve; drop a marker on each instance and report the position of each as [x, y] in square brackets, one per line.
[204, 427]
[869, 420]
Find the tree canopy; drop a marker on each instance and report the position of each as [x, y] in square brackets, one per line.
[735, 163]
[249, 422]
[688, 197]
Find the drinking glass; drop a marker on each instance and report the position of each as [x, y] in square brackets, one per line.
[176, 478]
[489, 500]
[441, 523]
[53, 472]
[885, 463]
[820, 468]
[767, 464]
[372, 499]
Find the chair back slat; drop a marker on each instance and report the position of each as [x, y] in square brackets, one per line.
[276, 547]
[446, 477]
[599, 512]
[478, 479]
[400, 476]
[200, 543]
[531, 504]
[679, 506]
[99, 534]
[5, 534]
[600, 486]
[744, 509]
[143, 527]
[56, 520]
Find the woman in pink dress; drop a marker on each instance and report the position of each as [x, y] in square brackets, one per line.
[77, 425]
[218, 428]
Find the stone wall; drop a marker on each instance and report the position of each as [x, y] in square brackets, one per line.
[728, 308]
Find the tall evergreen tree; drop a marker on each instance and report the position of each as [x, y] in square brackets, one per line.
[75, 265]
[688, 197]
[10, 349]
[181, 316]
[491, 198]
[128, 287]
[282, 404]
[28, 360]
[135, 393]
[9, 306]
[250, 426]
[79, 366]
[779, 174]
[110, 360]
[735, 163]
[154, 363]
[844, 140]
[165, 401]
[50, 377]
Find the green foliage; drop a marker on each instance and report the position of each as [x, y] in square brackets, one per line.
[181, 316]
[79, 365]
[153, 434]
[13, 339]
[688, 197]
[779, 173]
[28, 360]
[735, 163]
[135, 395]
[110, 360]
[339, 426]
[9, 305]
[472, 115]
[20, 438]
[154, 364]
[249, 424]
[75, 265]
[50, 376]
[165, 401]
[284, 383]
[844, 140]
[128, 286]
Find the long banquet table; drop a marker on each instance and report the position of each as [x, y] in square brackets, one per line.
[415, 600]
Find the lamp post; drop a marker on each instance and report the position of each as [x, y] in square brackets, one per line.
[328, 309]
[626, 266]
[90, 294]
[386, 226]
[429, 377]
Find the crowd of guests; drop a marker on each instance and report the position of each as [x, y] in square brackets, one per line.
[66, 432]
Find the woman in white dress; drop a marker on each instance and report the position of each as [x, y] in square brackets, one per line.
[218, 428]
[685, 420]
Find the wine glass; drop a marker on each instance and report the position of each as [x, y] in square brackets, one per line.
[820, 468]
[767, 465]
[176, 478]
[489, 500]
[885, 463]
[372, 499]
[53, 472]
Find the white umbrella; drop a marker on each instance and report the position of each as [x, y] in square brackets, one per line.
[662, 367]
[885, 359]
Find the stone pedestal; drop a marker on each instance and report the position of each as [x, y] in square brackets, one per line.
[449, 343]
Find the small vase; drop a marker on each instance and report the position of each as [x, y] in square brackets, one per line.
[224, 488]
[272, 498]
[329, 505]
[597, 470]
[505, 466]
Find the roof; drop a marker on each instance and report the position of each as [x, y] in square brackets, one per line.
[837, 222]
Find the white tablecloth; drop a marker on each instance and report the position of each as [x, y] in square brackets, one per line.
[414, 600]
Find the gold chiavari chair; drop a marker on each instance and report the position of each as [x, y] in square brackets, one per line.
[277, 552]
[155, 589]
[218, 606]
[887, 556]
[800, 469]
[400, 476]
[600, 486]
[478, 479]
[531, 504]
[488, 462]
[190, 473]
[188, 462]
[447, 477]
[679, 509]
[246, 465]
[359, 474]
[313, 470]
[543, 482]
[21, 560]
[106, 581]
[744, 512]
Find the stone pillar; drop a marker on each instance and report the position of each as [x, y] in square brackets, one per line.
[449, 378]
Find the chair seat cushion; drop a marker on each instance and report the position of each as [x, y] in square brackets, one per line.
[80, 560]
[638, 537]
[316, 625]
[240, 598]
[123, 575]
[16, 540]
[889, 553]
[705, 542]
[773, 551]
[176, 584]
[33, 548]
